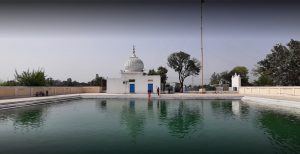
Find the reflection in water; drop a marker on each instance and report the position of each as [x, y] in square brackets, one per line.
[282, 129]
[101, 104]
[224, 107]
[244, 110]
[3, 116]
[132, 104]
[181, 121]
[32, 117]
[134, 121]
[162, 109]
[236, 107]
[183, 125]
[228, 108]
[150, 104]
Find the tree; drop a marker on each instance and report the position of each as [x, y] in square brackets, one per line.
[162, 71]
[243, 72]
[182, 63]
[68, 82]
[152, 72]
[215, 78]
[9, 83]
[282, 65]
[57, 83]
[98, 81]
[226, 76]
[263, 80]
[31, 78]
[49, 82]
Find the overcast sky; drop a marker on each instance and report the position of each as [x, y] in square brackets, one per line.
[79, 39]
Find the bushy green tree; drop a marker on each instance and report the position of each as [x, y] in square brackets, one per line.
[49, 82]
[184, 65]
[9, 83]
[282, 65]
[31, 78]
[152, 72]
[215, 78]
[263, 80]
[162, 71]
[98, 81]
[68, 82]
[243, 72]
[226, 76]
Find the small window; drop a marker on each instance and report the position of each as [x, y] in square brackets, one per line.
[131, 80]
[150, 80]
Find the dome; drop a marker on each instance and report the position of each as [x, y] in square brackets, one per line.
[134, 64]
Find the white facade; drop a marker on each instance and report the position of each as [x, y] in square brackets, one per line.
[236, 82]
[133, 79]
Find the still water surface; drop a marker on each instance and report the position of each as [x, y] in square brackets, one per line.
[142, 126]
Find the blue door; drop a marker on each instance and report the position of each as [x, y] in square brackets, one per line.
[150, 87]
[131, 88]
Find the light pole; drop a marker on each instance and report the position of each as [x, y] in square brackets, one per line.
[202, 90]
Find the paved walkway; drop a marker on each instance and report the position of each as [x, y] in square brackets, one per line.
[272, 102]
[288, 101]
[164, 96]
[145, 96]
[288, 98]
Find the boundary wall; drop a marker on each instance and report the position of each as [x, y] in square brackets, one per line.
[20, 91]
[271, 91]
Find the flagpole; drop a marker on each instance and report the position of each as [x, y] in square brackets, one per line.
[202, 72]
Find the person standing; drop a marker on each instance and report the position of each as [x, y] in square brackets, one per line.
[157, 90]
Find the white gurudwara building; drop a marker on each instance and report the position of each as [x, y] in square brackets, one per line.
[133, 79]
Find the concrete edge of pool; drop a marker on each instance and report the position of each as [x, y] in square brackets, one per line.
[23, 102]
[272, 102]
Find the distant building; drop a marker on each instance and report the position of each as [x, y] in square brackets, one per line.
[223, 85]
[236, 82]
[133, 79]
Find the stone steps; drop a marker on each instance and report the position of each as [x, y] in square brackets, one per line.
[18, 104]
